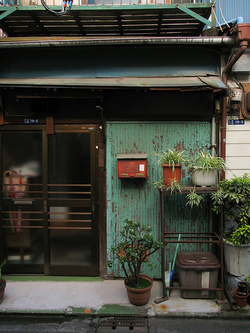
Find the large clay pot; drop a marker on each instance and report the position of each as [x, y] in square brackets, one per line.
[169, 174]
[2, 288]
[237, 258]
[139, 296]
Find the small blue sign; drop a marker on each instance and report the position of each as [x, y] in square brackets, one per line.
[31, 121]
[236, 122]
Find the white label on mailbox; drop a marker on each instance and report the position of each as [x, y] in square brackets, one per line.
[141, 167]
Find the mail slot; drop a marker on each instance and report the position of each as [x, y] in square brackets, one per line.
[132, 165]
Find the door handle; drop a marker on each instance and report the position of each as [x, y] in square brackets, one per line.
[45, 206]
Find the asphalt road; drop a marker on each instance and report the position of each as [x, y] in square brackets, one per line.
[102, 325]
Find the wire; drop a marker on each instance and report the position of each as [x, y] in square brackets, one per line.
[66, 7]
[216, 19]
[223, 16]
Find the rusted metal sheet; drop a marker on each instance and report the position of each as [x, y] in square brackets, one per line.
[140, 82]
[139, 199]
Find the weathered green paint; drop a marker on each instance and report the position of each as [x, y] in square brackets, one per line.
[113, 7]
[9, 11]
[122, 310]
[196, 16]
[139, 199]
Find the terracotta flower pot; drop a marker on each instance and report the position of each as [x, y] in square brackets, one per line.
[2, 288]
[139, 296]
[240, 300]
[169, 174]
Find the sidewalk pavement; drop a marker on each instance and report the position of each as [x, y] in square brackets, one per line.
[103, 298]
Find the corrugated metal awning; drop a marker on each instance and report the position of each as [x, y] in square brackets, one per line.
[213, 81]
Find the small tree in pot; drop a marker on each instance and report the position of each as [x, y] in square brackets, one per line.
[136, 245]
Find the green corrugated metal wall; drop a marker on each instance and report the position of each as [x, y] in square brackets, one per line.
[139, 199]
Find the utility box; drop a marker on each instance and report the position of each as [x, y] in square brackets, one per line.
[132, 165]
[197, 270]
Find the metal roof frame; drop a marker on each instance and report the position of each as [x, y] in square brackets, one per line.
[172, 20]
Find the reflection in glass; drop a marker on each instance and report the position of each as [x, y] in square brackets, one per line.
[22, 163]
[70, 247]
[69, 187]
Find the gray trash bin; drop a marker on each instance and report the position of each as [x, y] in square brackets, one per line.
[198, 270]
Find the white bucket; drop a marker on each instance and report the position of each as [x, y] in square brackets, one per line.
[206, 178]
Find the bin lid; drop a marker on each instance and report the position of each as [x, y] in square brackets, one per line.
[194, 259]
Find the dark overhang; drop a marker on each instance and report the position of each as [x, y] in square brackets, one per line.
[169, 20]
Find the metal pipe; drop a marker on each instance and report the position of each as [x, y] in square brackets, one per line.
[230, 298]
[55, 42]
[243, 47]
[213, 141]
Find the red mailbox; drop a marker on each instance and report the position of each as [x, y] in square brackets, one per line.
[132, 165]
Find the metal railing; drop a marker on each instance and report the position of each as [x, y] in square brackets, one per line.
[101, 2]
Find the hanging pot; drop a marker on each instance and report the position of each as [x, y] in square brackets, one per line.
[240, 300]
[170, 174]
[139, 296]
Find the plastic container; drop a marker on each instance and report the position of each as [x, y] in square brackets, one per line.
[197, 270]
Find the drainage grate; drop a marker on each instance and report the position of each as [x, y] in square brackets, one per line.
[130, 322]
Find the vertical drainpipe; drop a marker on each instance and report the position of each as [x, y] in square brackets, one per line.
[243, 47]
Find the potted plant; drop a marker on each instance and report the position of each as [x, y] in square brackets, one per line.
[194, 199]
[135, 246]
[205, 168]
[174, 187]
[234, 196]
[171, 162]
[241, 294]
[2, 282]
